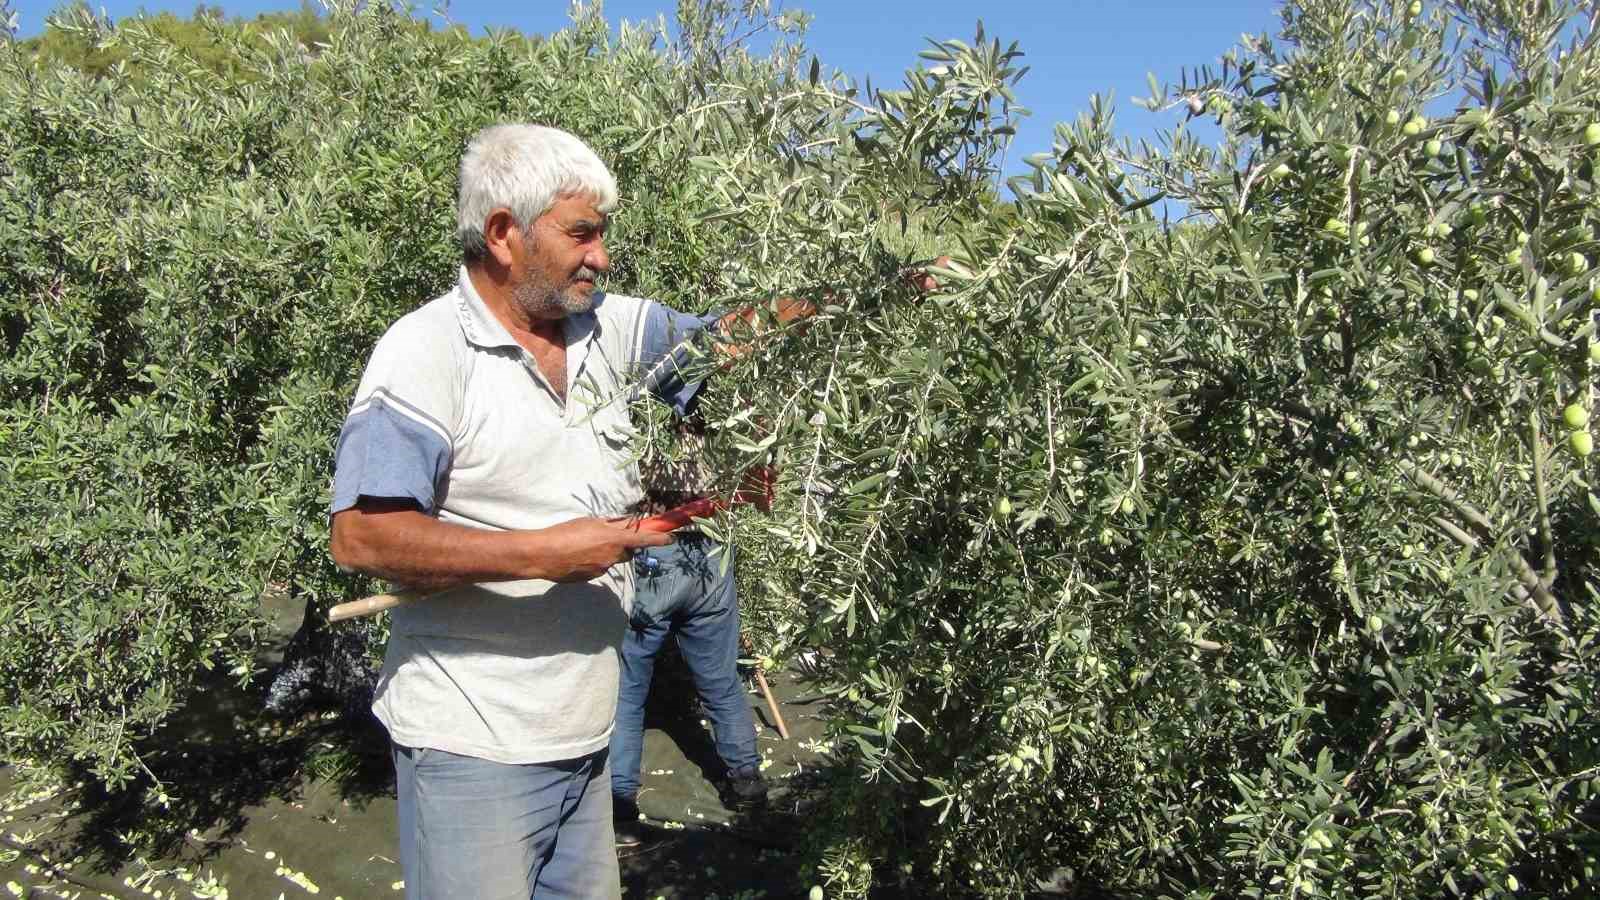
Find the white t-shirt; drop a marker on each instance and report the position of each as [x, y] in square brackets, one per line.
[455, 415]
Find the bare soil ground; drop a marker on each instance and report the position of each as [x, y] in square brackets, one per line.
[249, 807]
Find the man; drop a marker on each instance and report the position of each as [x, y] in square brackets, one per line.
[686, 590]
[485, 456]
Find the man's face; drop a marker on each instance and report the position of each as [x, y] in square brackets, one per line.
[563, 252]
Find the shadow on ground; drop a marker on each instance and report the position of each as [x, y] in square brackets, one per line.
[244, 805]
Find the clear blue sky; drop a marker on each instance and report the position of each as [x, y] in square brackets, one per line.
[1075, 47]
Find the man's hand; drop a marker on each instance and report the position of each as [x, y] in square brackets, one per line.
[757, 487]
[739, 327]
[923, 281]
[582, 549]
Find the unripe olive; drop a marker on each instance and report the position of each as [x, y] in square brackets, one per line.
[1581, 442]
[1591, 134]
[1392, 117]
[1433, 147]
[1575, 415]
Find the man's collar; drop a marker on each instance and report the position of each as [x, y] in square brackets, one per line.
[477, 322]
[483, 329]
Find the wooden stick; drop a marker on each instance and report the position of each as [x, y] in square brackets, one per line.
[373, 605]
[766, 692]
[772, 704]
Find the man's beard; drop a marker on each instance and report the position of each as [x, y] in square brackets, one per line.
[539, 299]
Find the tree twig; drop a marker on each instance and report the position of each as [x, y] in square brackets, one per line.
[1538, 596]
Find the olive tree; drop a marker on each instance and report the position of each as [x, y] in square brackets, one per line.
[1248, 553]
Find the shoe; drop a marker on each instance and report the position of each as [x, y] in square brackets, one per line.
[625, 822]
[744, 791]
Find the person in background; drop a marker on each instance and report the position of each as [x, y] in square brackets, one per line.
[686, 591]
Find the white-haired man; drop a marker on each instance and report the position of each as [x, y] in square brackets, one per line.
[486, 456]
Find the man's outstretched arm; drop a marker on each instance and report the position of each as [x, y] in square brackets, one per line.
[393, 539]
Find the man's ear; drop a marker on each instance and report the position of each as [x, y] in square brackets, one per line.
[500, 232]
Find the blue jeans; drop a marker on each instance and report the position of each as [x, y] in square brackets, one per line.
[471, 828]
[689, 594]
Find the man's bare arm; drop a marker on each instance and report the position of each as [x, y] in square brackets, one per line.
[392, 539]
[739, 327]
[739, 330]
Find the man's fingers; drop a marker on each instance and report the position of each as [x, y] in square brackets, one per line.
[639, 537]
[923, 280]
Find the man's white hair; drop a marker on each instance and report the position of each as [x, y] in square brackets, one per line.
[526, 169]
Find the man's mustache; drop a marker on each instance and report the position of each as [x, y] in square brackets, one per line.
[586, 274]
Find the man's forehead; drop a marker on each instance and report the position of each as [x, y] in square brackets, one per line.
[578, 207]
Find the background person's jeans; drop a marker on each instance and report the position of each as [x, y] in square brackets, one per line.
[471, 828]
[691, 594]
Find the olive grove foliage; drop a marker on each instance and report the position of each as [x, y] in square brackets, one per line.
[1247, 556]
[193, 269]
[1237, 556]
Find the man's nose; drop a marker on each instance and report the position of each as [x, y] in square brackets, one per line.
[597, 258]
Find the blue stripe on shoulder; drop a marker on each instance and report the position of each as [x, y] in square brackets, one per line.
[666, 355]
[384, 453]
